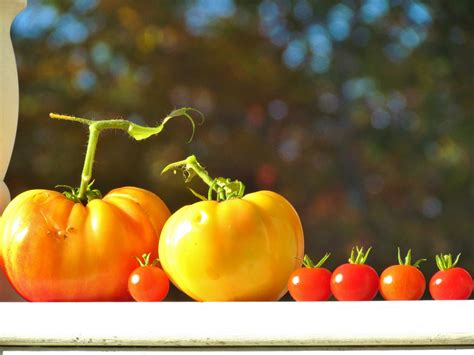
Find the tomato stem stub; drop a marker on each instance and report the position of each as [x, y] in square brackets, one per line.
[224, 189]
[407, 260]
[445, 261]
[137, 132]
[359, 256]
[145, 260]
[309, 263]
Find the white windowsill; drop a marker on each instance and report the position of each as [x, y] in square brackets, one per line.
[376, 323]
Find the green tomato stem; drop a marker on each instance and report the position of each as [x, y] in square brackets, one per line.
[309, 263]
[361, 257]
[86, 175]
[145, 260]
[225, 189]
[407, 260]
[445, 261]
[96, 127]
[192, 167]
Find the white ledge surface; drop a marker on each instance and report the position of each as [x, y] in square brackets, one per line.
[377, 323]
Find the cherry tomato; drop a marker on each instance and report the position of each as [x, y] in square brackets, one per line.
[355, 281]
[450, 283]
[148, 283]
[311, 282]
[403, 281]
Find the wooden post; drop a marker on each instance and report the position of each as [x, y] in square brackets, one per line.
[8, 92]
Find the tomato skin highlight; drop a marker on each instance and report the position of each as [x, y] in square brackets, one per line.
[402, 282]
[56, 250]
[310, 284]
[242, 249]
[354, 282]
[148, 284]
[451, 284]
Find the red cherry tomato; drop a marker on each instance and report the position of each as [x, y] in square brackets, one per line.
[403, 281]
[355, 281]
[148, 283]
[450, 283]
[311, 282]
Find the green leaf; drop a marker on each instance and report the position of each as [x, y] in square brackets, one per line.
[141, 132]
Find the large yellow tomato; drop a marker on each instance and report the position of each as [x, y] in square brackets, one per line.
[239, 249]
[56, 250]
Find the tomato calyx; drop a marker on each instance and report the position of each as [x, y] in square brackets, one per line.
[361, 257]
[407, 260]
[144, 260]
[84, 193]
[308, 263]
[73, 193]
[223, 188]
[445, 261]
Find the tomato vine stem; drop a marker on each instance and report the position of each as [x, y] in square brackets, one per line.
[225, 189]
[138, 132]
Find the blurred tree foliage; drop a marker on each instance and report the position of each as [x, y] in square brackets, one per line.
[359, 112]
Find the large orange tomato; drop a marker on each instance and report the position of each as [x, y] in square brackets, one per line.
[80, 246]
[240, 248]
[56, 250]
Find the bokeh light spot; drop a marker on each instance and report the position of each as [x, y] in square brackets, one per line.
[85, 80]
[278, 109]
[432, 207]
[294, 54]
